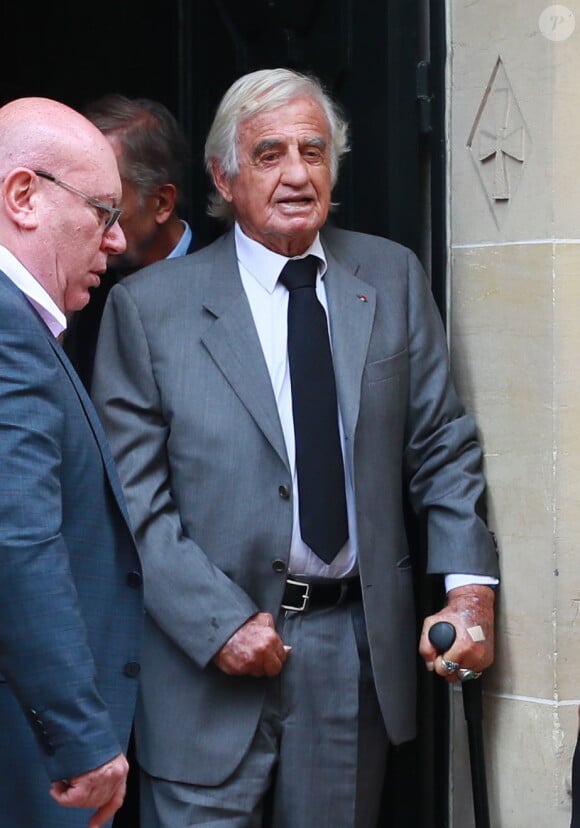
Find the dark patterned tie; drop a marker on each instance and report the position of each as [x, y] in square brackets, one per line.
[322, 496]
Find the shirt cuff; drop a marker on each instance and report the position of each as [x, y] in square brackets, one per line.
[453, 581]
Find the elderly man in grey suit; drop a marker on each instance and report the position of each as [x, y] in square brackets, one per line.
[268, 412]
[71, 602]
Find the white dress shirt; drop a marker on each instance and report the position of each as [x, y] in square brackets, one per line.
[260, 269]
[49, 312]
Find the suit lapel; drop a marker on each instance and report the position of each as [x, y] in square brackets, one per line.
[233, 344]
[85, 402]
[351, 306]
[233, 341]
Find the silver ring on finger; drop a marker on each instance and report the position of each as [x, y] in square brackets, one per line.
[449, 666]
[464, 674]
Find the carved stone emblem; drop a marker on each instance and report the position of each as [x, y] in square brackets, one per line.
[499, 140]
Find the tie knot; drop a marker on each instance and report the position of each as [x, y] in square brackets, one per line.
[300, 273]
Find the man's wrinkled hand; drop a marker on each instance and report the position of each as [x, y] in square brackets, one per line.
[102, 788]
[471, 611]
[254, 650]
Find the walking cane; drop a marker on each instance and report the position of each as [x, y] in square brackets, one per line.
[442, 636]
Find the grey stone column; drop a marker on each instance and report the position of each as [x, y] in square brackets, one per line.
[514, 299]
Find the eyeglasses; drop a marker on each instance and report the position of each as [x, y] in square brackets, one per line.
[106, 213]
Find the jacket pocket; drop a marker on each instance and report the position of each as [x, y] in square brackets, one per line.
[383, 369]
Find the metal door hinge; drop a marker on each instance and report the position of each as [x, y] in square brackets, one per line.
[424, 97]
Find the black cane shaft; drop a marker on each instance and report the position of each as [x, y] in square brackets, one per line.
[478, 778]
[472, 702]
[473, 711]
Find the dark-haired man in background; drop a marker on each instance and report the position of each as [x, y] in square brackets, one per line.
[153, 158]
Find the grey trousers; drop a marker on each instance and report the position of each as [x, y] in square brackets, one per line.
[319, 753]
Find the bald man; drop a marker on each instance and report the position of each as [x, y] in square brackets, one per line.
[70, 592]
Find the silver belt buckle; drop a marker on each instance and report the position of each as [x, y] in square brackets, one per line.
[305, 597]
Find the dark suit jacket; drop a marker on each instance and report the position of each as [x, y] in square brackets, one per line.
[187, 402]
[80, 338]
[70, 593]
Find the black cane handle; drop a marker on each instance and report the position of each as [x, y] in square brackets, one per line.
[442, 635]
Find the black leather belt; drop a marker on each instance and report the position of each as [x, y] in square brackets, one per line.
[301, 595]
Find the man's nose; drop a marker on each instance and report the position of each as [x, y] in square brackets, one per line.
[295, 169]
[114, 239]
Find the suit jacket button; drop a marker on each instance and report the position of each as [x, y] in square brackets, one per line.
[132, 669]
[134, 579]
[278, 566]
[284, 492]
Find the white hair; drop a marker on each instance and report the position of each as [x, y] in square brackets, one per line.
[258, 92]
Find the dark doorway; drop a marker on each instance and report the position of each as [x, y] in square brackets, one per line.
[185, 53]
[365, 53]
[66, 51]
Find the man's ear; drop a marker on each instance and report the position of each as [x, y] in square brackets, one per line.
[21, 196]
[221, 181]
[165, 199]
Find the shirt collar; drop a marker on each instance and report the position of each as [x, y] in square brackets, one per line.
[49, 312]
[182, 245]
[265, 265]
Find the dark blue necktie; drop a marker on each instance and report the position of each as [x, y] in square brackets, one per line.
[321, 489]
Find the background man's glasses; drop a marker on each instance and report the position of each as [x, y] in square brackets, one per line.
[106, 213]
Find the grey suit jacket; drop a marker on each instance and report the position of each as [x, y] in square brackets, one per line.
[185, 397]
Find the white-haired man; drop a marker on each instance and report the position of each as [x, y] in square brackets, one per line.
[280, 645]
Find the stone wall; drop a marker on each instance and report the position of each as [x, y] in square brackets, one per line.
[514, 207]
